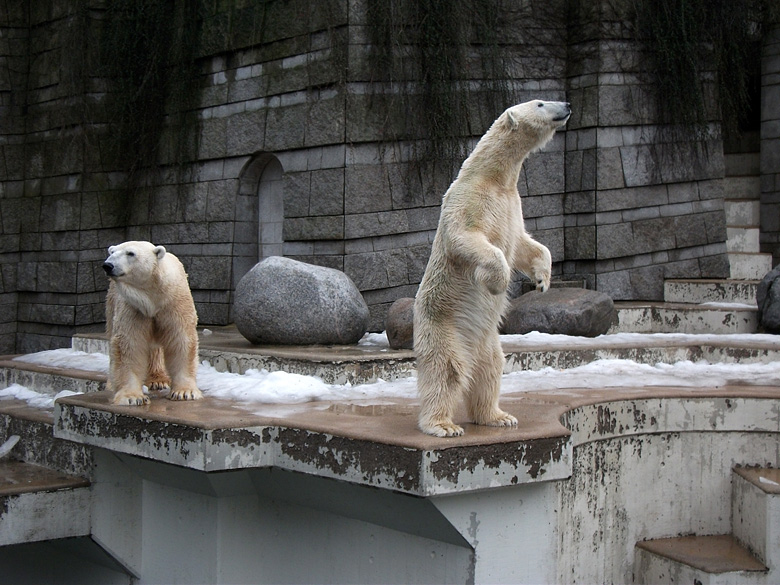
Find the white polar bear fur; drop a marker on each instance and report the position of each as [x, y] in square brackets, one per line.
[462, 297]
[151, 324]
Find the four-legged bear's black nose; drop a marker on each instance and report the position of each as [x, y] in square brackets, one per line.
[108, 267]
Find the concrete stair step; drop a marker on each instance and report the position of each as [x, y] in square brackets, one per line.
[703, 290]
[41, 504]
[228, 352]
[755, 510]
[749, 266]
[49, 380]
[742, 187]
[37, 444]
[743, 239]
[742, 212]
[684, 318]
[697, 559]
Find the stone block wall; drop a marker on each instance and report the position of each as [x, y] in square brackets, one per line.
[305, 150]
[640, 205]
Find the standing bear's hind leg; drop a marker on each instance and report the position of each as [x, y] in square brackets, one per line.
[441, 382]
[485, 387]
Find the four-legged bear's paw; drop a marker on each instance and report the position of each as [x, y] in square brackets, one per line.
[499, 419]
[443, 429]
[130, 399]
[185, 394]
[158, 386]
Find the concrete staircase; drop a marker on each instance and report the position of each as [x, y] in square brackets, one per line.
[743, 217]
[709, 305]
[41, 474]
[695, 307]
[747, 555]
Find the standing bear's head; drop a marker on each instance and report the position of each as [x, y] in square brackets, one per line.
[532, 124]
[133, 263]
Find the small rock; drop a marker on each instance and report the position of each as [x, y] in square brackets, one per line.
[563, 311]
[768, 301]
[399, 324]
[283, 301]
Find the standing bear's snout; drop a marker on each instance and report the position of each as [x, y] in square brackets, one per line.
[565, 112]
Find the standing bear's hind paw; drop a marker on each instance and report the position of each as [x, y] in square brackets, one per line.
[130, 399]
[443, 429]
[185, 394]
[499, 419]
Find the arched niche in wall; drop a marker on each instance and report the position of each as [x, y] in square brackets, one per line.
[270, 220]
[259, 213]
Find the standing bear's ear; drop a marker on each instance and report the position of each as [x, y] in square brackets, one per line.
[159, 251]
[511, 120]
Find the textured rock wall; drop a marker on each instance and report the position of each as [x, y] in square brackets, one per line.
[640, 205]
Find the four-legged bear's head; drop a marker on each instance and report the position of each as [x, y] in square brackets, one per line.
[133, 262]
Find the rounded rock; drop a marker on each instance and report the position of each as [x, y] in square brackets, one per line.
[287, 302]
[562, 311]
[399, 324]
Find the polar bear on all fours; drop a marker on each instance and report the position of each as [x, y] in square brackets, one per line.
[462, 297]
[151, 324]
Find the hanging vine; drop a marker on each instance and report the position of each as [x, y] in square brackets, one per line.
[443, 68]
[703, 58]
[148, 54]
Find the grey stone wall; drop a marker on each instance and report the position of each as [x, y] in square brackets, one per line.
[640, 205]
[770, 146]
[303, 152]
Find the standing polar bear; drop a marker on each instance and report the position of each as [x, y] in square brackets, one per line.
[462, 296]
[151, 324]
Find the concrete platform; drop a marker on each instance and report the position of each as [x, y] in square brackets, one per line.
[378, 444]
[356, 479]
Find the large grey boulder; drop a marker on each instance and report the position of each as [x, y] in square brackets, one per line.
[564, 311]
[768, 301]
[283, 301]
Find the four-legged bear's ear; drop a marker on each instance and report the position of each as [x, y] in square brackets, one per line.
[159, 252]
[111, 250]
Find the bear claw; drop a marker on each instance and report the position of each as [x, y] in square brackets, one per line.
[158, 386]
[502, 419]
[192, 394]
[443, 430]
[131, 400]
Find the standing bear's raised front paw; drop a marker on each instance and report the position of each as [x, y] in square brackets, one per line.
[494, 278]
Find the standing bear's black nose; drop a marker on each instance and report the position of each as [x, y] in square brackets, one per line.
[108, 267]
